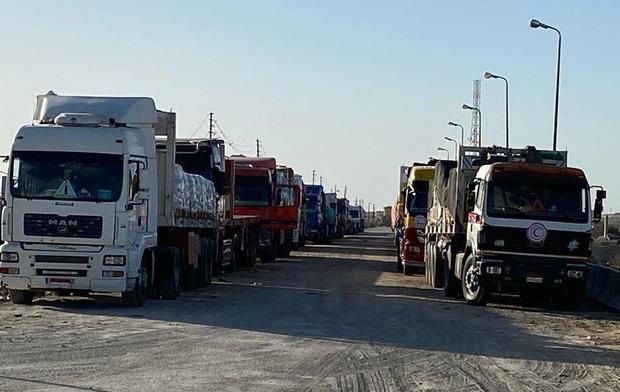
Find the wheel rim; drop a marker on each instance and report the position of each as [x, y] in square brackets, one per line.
[472, 284]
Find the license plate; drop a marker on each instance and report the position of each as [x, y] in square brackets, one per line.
[534, 278]
[57, 283]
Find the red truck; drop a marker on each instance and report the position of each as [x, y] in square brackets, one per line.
[237, 236]
[262, 189]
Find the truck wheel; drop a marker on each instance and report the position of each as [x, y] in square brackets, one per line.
[437, 271]
[399, 262]
[569, 297]
[450, 282]
[170, 275]
[408, 270]
[429, 266]
[134, 298]
[21, 297]
[474, 291]
[204, 266]
[426, 260]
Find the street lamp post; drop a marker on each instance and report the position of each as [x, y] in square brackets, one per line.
[467, 107]
[444, 149]
[462, 131]
[456, 144]
[536, 24]
[488, 75]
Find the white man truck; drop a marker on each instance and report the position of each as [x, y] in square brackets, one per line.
[92, 206]
[510, 221]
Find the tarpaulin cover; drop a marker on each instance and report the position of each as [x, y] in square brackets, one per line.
[442, 192]
[193, 194]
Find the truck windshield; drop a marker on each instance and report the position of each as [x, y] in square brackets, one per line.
[66, 175]
[552, 201]
[417, 202]
[354, 214]
[312, 203]
[251, 191]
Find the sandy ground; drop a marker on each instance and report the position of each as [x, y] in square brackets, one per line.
[330, 318]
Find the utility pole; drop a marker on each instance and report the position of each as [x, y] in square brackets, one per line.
[257, 148]
[211, 125]
[345, 191]
[321, 180]
[356, 201]
[313, 176]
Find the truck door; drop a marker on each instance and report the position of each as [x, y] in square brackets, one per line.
[138, 201]
[286, 204]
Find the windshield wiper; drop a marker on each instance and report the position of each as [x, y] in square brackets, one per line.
[511, 208]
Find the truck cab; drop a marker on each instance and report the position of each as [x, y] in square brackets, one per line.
[530, 226]
[414, 218]
[261, 191]
[355, 220]
[510, 221]
[317, 226]
[342, 212]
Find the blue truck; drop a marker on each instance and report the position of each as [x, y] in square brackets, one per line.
[320, 217]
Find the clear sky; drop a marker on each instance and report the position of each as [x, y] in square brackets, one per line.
[352, 89]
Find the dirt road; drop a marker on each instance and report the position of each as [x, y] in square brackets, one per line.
[330, 318]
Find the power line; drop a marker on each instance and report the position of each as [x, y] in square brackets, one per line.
[204, 120]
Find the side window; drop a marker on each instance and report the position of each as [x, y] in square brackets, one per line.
[480, 194]
[133, 177]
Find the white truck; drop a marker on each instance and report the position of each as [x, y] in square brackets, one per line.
[93, 206]
[510, 221]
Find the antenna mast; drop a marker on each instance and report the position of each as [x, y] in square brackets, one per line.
[474, 138]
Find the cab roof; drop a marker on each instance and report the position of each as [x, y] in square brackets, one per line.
[496, 170]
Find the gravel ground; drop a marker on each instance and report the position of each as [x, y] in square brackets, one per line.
[330, 318]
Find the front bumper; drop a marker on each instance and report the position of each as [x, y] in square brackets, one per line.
[519, 272]
[64, 270]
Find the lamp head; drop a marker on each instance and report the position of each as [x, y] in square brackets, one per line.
[466, 107]
[536, 24]
[489, 75]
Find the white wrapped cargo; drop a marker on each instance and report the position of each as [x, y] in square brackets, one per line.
[194, 195]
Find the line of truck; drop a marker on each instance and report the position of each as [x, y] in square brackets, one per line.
[497, 220]
[102, 196]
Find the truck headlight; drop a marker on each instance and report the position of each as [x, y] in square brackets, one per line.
[114, 260]
[9, 257]
[575, 274]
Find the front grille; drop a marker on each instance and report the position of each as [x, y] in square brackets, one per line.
[61, 259]
[556, 243]
[54, 272]
[51, 225]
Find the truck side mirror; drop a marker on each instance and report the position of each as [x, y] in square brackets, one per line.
[471, 195]
[3, 191]
[143, 179]
[297, 195]
[598, 206]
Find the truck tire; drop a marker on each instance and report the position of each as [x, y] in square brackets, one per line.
[135, 297]
[21, 297]
[450, 282]
[399, 262]
[427, 261]
[473, 290]
[204, 266]
[429, 266]
[234, 255]
[437, 271]
[169, 273]
[569, 297]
